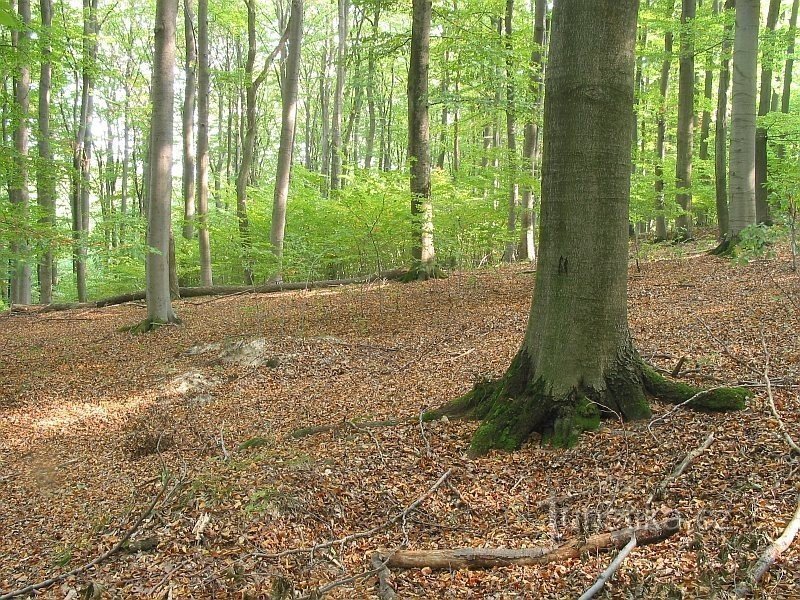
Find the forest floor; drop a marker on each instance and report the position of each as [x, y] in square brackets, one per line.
[91, 418]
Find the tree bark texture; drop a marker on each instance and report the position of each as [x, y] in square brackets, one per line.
[338, 96]
[159, 305]
[18, 188]
[743, 117]
[764, 106]
[45, 177]
[423, 253]
[189, 104]
[666, 63]
[721, 134]
[204, 93]
[288, 119]
[683, 169]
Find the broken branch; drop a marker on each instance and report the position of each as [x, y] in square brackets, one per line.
[658, 493]
[483, 558]
[609, 572]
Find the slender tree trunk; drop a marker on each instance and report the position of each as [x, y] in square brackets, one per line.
[325, 133]
[531, 144]
[45, 176]
[705, 119]
[423, 253]
[338, 97]
[764, 102]
[743, 117]
[288, 118]
[159, 305]
[189, 102]
[510, 254]
[683, 170]
[721, 134]
[370, 142]
[18, 187]
[387, 151]
[661, 220]
[789, 65]
[204, 94]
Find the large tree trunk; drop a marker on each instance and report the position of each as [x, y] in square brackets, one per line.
[743, 117]
[338, 97]
[423, 253]
[18, 188]
[527, 246]
[189, 101]
[683, 169]
[721, 134]
[510, 254]
[666, 63]
[159, 305]
[204, 93]
[764, 102]
[285, 151]
[577, 353]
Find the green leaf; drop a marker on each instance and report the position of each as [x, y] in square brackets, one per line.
[7, 16]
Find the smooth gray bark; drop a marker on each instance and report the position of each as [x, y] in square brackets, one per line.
[338, 96]
[743, 117]
[683, 169]
[288, 120]
[510, 254]
[18, 187]
[666, 64]
[159, 305]
[203, 95]
[721, 133]
[764, 107]
[189, 104]
[423, 252]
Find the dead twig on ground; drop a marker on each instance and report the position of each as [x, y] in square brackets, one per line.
[658, 493]
[609, 572]
[362, 534]
[95, 561]
[771, 400]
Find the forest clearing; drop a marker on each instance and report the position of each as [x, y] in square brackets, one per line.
[85, 408]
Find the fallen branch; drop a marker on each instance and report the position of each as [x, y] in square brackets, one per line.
[658, 493]
[771, 400]
[363, 534]
[216, 290]
[770, 555]
[120, 545]
[483, 558]
[609, 572]
[385, 590]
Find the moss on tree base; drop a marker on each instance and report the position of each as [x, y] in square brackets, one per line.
[721, 399]
[518, 405]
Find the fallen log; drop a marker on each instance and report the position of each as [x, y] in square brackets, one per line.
[487, 558]
[215, 290]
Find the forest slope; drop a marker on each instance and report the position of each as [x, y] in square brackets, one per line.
[83, 407]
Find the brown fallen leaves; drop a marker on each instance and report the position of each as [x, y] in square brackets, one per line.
[73, 395]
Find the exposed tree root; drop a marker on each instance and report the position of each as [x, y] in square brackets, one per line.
[719, 399]
[422, 272]
[483, 558]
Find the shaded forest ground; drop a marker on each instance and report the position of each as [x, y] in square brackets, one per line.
[90, 416]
